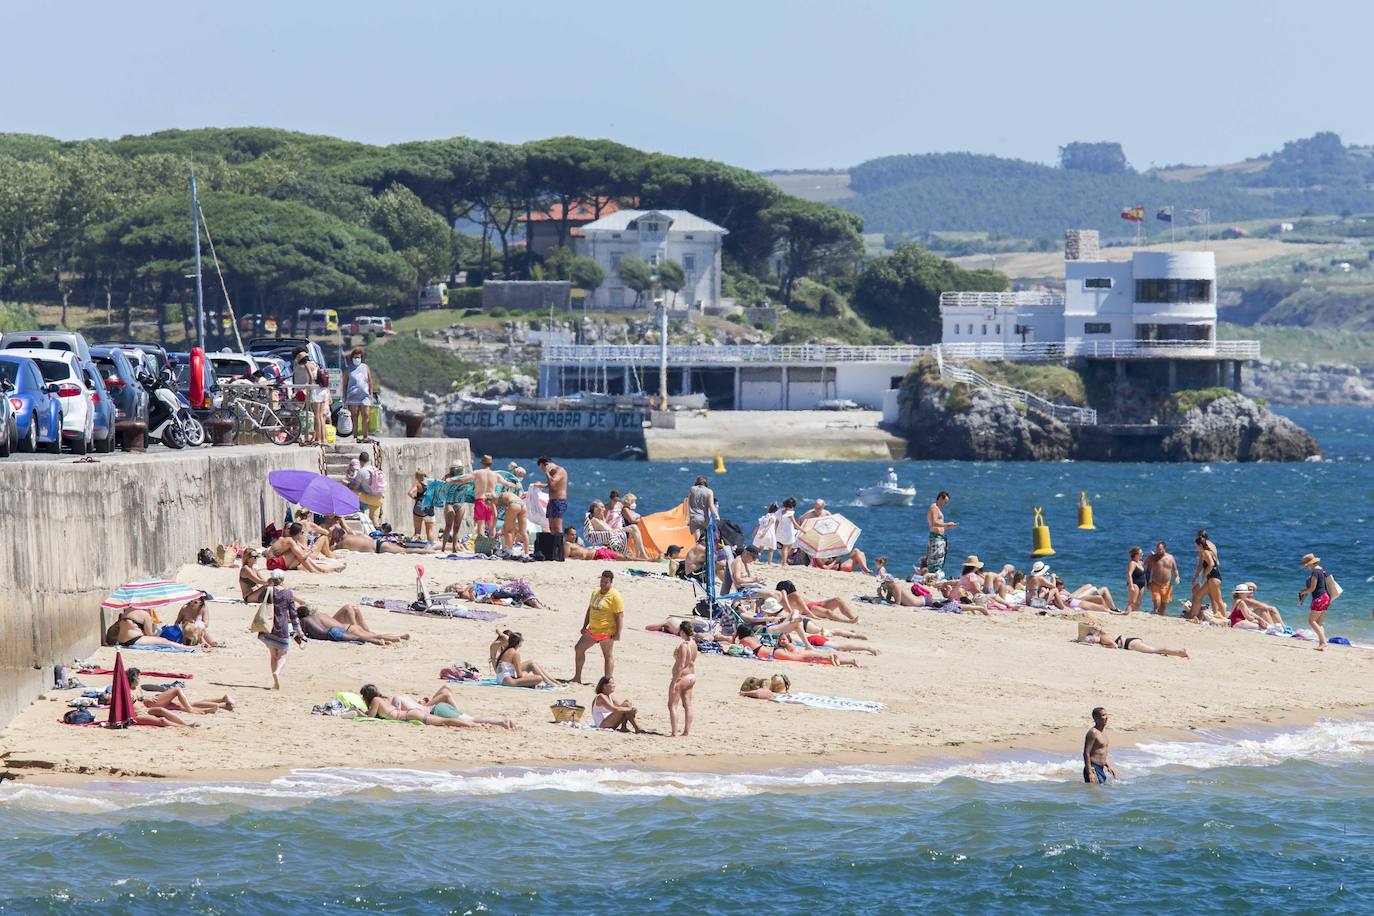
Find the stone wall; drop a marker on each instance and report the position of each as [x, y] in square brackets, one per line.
[74, 531]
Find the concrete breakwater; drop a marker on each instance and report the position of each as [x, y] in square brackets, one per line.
[75, 531]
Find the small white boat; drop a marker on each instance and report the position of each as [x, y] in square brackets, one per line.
[885, 494]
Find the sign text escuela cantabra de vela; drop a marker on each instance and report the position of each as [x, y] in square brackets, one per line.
[460, 422]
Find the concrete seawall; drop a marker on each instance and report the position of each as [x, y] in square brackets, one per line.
[74, 531]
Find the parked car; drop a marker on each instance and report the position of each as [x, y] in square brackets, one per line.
[102, 406]
[63, 377]
[154, 356]
[9, 425]
[377, 325]
[37, 414]
[284, 347]
[71, 341]
[121, 381]
[230, 366]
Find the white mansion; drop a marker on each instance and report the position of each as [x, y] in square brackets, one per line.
[654, 236]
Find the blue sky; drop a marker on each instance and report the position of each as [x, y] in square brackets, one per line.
[759, 83]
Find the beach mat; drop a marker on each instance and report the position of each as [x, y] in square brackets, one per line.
[174, 676]
[399, 606]
[173, 649]
[823, 702]
[493, 682]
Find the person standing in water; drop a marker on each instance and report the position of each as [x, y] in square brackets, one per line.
[683, 679]
[1096, 766]
[938, 546]
[1321, 597]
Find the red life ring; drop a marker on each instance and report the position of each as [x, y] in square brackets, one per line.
[197, 370]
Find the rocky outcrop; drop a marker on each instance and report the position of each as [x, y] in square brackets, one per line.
[1235, 428]
[949, 422]
[1300, 383]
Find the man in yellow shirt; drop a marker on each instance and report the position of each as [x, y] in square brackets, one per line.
[604, 620]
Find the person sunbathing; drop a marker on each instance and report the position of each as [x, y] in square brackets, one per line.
[1261, 615]
[1084, 598]
[494, 592]
[252, 581]
[741, 570]
[907, 594]
[610, 713]
[513, 671]
[194, 621]
[136, 626]
[758, 688]
[786, 594]
[290, 551]
[784, 650]
[776, 621]
[854, 560]
[173, 699]
[339, 536]
[671, 623]
[1130, 643]
[343, 625]
[440, 711]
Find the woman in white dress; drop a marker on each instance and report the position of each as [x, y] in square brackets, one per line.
[766, 534]
[786, 528]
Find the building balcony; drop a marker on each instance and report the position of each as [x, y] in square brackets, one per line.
[1106, 349]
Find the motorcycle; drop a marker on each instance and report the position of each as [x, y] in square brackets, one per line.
[169, 421]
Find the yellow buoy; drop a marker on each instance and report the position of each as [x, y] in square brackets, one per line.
[720, 464]
[1085, 512]
[1040, 536]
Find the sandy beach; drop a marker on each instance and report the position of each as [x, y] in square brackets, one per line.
[949, 682]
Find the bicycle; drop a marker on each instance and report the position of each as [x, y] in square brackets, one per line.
[268, 412]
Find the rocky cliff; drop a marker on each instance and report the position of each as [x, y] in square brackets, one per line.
[943, 419]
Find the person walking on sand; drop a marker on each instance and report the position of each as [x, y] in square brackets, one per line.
[683, 679]
[1136, 580]
[603, 622]
[1096, 766]
[285, 627]
[557, 486]
[765, 536]
[1319, 583]
[1161, 570]
[1207, 573]
[785, 530]
[359, 390]
[937, 548]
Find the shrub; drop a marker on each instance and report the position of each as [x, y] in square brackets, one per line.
[465, 297]
[412, 367]
[497, 311]
[735, 319]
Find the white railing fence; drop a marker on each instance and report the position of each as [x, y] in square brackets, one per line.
[1065, 413]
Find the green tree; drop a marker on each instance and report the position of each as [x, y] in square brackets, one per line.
[807, 236]
[1098, 158]
[635, 274]
[414, 231]
[586, 274]
[671, 277]
[901, 291]
[558, 263]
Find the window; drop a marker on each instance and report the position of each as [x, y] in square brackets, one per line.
[956, 329]
[1096, 327]
[985, 330]
[689, 237]
[1160, 290]
[615, 263]
[998, 329]
[617, 297]
[689, 262]
[615, 235]
[970, 329]
[1097, 282]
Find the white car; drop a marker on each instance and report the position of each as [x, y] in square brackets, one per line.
[62, 377]
[232, 366]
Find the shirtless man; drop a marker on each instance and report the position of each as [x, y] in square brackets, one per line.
[938, 545]
[816, 511]
[1096, 766]
[345, 624]
[1163, 572]
[487, 483]
[741, 571]
[340, 536]
[573, 550]
[557, 486]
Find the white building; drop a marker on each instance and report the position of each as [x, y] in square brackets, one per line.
[655, 236]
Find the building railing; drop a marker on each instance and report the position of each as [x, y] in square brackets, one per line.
[1025, 298]
[1065, 413]
[807, 353]
[647, 354]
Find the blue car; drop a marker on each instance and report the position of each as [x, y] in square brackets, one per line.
[104, 406]
[37, 414]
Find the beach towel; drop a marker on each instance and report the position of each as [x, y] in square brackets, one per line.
[399, 606]
[493, 682]
[822, 702]
[173, 675]
[137, 648]
[645, 574]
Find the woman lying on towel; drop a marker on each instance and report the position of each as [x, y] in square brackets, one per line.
[518, 592]
[1131, 643]
[440, 709]
[759, 688]
[786, 651]
[173, 700]
[807, 631]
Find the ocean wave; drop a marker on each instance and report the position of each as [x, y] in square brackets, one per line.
[1327, 741]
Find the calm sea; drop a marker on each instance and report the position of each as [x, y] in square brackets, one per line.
[1234, 821]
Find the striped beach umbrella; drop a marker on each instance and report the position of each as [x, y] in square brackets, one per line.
[150, 593]
[828, 536]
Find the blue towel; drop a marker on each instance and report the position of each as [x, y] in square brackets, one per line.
[158, 648]
[493, 682]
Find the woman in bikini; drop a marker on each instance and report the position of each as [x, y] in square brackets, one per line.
[1129, 643]
[513, 671]
[437, 710]
[1136, 580]
[1207, 573]
[252, 583]
[683, 679]
[608, 712]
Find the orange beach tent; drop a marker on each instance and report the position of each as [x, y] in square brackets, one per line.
[664, 529]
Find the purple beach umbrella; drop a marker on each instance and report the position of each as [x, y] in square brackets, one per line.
[313, 491]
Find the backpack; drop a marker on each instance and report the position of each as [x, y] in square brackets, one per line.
[79, 716]
[376, 482]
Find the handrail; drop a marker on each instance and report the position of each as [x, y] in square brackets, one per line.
[1067, 413]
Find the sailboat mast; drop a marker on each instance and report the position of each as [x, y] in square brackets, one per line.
[200, 297]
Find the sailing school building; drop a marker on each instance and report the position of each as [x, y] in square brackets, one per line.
[733, 377]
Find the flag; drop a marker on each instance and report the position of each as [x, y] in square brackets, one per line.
[1133, 214]
[1165, 215]
[1199, 216]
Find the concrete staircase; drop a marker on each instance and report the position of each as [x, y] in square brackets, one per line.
[1065, 413]
[334, 459]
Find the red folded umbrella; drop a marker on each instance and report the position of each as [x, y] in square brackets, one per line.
[121, 698]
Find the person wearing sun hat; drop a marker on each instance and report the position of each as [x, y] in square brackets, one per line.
[971, 576]
[1319, 586]
[1243, 596]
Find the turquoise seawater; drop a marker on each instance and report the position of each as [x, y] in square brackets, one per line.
[1228, 822]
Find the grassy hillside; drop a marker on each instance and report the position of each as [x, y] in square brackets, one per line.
[1308, 345]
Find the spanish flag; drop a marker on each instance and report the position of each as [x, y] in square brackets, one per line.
[1133, 214]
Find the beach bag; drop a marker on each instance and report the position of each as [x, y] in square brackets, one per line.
[376, 483]
[485, 545]
[263, 619]
[548, 546]
[798, 557]
[343, 422]
[374, 418]
[1332, 587]
[78, 717]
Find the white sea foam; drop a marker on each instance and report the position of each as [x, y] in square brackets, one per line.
[1324, 742]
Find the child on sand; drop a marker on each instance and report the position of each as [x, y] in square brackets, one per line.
[766, 533]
